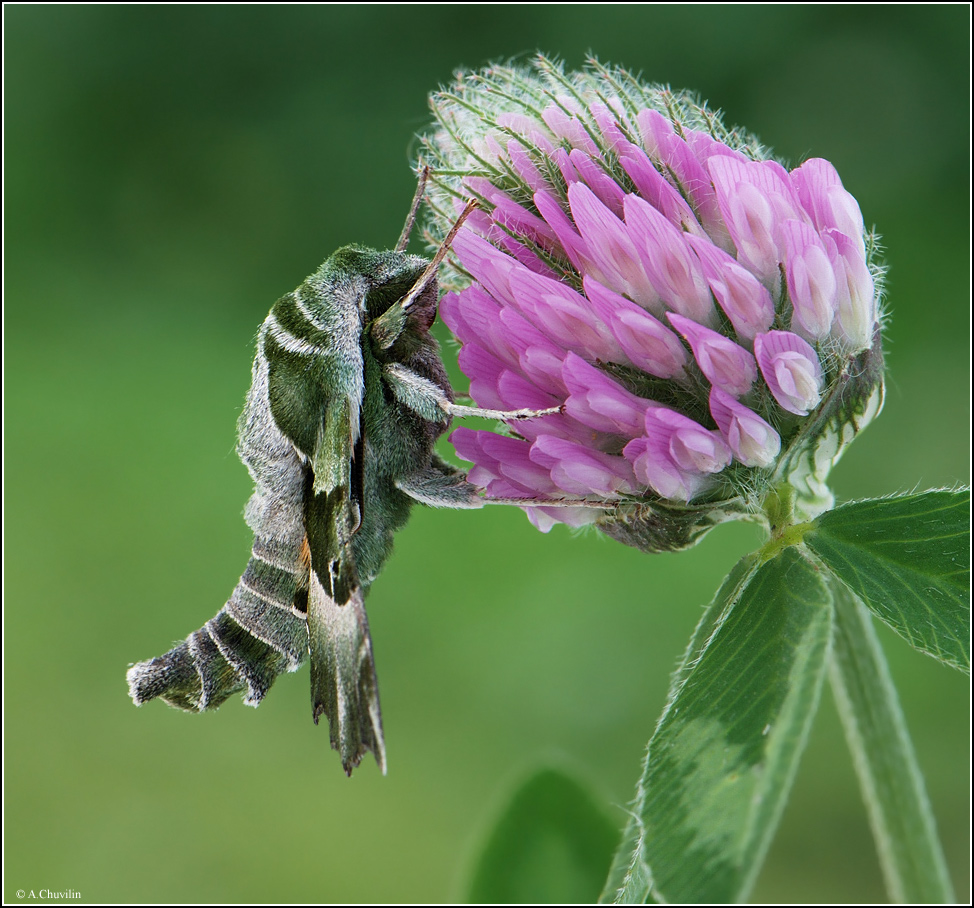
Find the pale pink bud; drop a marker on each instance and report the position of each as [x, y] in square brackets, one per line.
[791, 369]
[821, 192]
[753, 441]
[654, 467]
[749, 216]
[673, 269]
[676, 454]
[855, 301]
[611, 248]
[645, 340]
[811, 279]
[742, 297]
[725, 364]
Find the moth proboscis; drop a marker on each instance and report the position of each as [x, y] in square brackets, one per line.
[347, 401]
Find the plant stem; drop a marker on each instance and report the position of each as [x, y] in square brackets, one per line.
[902, 822]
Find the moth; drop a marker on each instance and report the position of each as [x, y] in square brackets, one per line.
[348, 398]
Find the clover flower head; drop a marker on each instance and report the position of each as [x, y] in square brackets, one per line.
[706, 319]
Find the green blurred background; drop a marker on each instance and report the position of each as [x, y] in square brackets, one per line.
[170, 171]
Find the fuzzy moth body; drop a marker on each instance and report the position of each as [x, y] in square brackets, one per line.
[339, 445]
[262, 629]
[347, 401]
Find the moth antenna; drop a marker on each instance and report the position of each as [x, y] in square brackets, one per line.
[434, 265]
[407, 228]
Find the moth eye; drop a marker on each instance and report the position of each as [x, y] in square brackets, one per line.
[301, 601]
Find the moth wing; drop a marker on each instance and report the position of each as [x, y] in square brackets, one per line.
[343, 682]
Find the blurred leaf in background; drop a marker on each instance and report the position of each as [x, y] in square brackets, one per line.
[551, 844]
[171, 171]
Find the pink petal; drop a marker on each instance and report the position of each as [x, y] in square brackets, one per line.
[608, 191]
[576, 249]
[657, 190]
[855, 305]
[486, 264]
[672, 268]
[742, 297]
[823, 196]
[525, 167]
[597, 401]
[581, 471]
[646, 342]
[569, 128]
[563, 315]
[753, 441]
[725, 365]
[609, 126]
[811, 279]
[653, 466]
[791, 369]
[617, 262]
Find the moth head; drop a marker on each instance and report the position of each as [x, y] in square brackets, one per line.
[401, 302]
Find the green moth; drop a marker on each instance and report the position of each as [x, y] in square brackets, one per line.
[348, 399]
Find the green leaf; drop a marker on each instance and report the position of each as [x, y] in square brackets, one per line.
[552, 844]
[907, 558]
[628, 878]
[628, 873]
[906, 837]
[721, 762]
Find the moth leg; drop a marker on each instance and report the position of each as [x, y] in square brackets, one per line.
[441, 485]
[407, 229]
[607, 504]
[460, 411]
[428, 399]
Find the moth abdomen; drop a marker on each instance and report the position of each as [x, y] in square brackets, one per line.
[259, 634]
[267, 604]
[193, 675]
